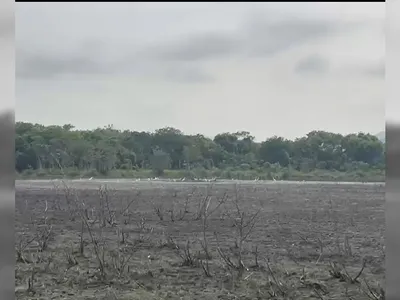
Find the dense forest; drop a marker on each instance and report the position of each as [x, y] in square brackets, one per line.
[104, 150]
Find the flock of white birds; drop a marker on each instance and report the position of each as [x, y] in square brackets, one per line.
[181, 179]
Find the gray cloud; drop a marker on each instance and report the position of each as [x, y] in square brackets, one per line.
[377, 70]
[256, 38]
[158, 60]
[372, 69]
[47, 66]
[7, 20]
[40, 66]
[195, 48]
[7, 54]
[7, 26]
[268, 38]
[312, 64]
[188, 75]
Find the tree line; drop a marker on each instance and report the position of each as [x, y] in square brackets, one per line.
[105, 149]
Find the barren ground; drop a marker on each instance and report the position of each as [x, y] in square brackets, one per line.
[296, 241]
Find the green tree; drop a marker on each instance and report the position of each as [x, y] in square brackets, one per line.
[275, 150]
[173, 142]
[105, 149]
[160, 161]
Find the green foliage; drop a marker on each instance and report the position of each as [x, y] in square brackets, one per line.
[275, 150]
[160, 161]
[103, 151]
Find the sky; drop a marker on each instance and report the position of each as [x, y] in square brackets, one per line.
[268, 68]
[393, 59]
[7, 56]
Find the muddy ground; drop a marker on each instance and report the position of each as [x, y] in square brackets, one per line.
[305, 241]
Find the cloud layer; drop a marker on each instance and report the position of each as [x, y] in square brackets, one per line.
[7, 54]
[206, 53]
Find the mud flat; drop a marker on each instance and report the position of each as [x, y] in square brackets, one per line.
[147, 240]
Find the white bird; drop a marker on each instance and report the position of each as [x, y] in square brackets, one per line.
[90, 178]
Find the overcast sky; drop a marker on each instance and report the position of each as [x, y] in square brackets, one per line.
[393, 61]
[7, 56]
[268, 68]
